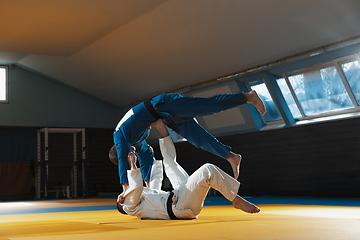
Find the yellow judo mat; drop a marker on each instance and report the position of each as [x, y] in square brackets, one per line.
[98, 219]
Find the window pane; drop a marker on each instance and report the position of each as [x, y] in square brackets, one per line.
[320, 90]
[288, 98]
[352, 73]
[272, 113]
[2, 84]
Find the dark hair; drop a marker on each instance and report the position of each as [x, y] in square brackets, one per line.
[120, 208]
[113, 155]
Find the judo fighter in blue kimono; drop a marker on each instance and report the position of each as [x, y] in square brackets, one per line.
[178, 113]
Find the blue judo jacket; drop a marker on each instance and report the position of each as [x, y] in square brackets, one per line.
[132, 129]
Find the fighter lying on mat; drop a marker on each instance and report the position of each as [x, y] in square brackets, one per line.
[187, 198]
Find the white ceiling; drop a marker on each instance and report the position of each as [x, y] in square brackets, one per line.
[123, 51]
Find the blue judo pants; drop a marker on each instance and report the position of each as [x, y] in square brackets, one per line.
[184, 109]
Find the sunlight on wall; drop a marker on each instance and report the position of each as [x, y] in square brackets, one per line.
[226, 118]
[3, 84]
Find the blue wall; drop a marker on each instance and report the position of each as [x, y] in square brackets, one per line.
[35, 101]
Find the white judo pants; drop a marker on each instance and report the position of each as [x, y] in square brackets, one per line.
[190, 191]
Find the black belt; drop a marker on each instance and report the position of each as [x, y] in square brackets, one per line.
[169, 207]
[167, 122]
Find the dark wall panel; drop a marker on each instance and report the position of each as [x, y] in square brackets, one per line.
[17, 155]
[319, 160]
[102, 174]
[314, 160]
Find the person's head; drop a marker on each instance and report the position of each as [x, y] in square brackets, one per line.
[113, 155]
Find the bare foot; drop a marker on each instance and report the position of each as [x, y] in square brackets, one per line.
[234, 160]
[242, 204]
[253, 98]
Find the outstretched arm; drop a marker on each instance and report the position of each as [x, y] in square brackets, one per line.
[119, 157]
[156, 176]
[173, 170]
[131, 197]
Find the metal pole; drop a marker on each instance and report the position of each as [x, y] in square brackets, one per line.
[38, 167]
[84, 179]
[46, 162]
[75, 166]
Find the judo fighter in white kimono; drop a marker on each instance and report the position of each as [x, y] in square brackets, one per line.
[187, 198]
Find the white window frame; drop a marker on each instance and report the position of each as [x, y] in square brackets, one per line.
[343, 78]
[293, 95]
[6, 85]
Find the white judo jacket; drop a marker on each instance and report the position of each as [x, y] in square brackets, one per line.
[150, 203]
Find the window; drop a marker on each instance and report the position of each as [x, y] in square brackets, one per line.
[320, 90]
[3, 85]
[326, 89]
[289, 98]
[351, 70]
[272, 113]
